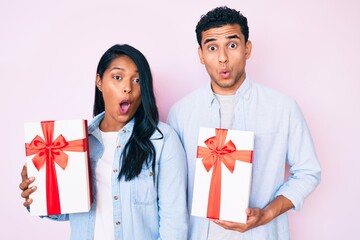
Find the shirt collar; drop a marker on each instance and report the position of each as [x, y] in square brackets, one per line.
[94, 126]
[244, 91]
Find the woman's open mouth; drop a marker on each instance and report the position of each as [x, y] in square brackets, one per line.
[124, 106]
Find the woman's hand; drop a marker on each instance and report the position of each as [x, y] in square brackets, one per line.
[24, 186]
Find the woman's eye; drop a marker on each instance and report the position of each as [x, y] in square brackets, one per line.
[117, 77]
[136, 80]
[212, 48]
[232, 45]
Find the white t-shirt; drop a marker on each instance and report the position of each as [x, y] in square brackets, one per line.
[104, 224]
[227, 105]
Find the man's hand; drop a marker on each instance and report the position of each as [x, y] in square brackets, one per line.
[24, 186]
[257, 217]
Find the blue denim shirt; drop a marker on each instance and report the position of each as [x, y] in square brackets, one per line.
[281, 137]
[142, 210]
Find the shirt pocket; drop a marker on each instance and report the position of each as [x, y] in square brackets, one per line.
[269, 152]
[143, 188]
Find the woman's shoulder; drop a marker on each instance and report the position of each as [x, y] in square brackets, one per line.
[164, 128]
[164, 131]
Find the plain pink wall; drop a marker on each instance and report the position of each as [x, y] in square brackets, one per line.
[307, 49]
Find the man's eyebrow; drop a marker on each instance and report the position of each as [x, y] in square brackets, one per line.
[233, 36]
[209, 40]
[214, 39]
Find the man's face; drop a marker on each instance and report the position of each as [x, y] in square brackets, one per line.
[224, 53]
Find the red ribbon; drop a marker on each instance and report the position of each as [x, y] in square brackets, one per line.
[218, 151]
[50, 151]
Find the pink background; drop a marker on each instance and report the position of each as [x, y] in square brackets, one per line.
[307, 49]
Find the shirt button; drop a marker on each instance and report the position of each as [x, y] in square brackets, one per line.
[116, 197]
[150, 174]
[118, 146]
[117, 223]
[115, 170]
[124, 131]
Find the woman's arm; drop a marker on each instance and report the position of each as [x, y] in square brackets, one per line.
[172, 182]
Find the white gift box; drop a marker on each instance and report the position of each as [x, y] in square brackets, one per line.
[234, 147]
[66, 139]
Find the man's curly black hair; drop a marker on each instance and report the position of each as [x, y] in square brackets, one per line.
[219, 17]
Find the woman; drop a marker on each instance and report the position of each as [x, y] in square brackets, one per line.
[138, 164]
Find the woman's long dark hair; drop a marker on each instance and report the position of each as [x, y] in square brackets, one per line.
[139, 150]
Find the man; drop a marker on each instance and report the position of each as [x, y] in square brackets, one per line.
[233, 101]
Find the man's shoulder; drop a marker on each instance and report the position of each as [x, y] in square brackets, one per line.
[270, 94]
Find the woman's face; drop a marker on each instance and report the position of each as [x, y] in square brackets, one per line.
[120, 87]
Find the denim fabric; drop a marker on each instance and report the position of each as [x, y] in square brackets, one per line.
[142, 209]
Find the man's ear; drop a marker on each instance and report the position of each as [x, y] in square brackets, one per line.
[201, 55]
[248, 48]
[98, 82]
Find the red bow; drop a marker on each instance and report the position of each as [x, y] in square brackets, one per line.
[50, 151]
[218, 151]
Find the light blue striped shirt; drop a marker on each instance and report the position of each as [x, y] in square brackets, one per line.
[281, 137]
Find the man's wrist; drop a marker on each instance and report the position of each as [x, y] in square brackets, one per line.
[277, 207]
[269, 214]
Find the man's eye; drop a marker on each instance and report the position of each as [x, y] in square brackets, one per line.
[136, 80]
[232, 45]
[212, 48]
[117, 77]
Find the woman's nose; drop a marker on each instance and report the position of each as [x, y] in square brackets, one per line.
[127, 87]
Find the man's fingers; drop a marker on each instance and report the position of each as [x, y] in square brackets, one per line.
[252, 212]
[240, 227]
[248, 212]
